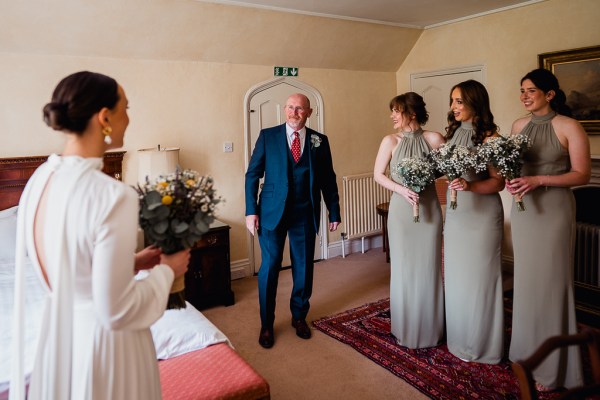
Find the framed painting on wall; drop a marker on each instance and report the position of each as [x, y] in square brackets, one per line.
[578, 71]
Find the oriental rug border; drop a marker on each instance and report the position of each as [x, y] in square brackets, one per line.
[435, 372]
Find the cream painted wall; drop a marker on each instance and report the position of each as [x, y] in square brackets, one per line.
[195, 106]
[507, 43]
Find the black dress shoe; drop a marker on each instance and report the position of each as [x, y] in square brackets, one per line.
[266, 338]
[302, 329]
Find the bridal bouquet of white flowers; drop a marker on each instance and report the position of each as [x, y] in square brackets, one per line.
[175, 211]
[416, 173]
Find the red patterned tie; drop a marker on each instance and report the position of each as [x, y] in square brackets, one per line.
[296, 147]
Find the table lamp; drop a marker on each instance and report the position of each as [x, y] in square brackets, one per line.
[157, 161]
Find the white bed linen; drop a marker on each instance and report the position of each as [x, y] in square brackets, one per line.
[176, 332]
[181, 331]
[8, 227]
[33, 308]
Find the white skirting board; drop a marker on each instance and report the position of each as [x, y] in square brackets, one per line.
[238, 269]
[375, 243]
[355, 245]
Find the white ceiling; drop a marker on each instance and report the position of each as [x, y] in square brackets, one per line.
[405, 13]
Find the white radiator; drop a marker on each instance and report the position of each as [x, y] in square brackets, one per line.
[361, 195]
[587, 257]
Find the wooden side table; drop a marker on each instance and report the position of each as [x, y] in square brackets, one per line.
[208, 279]
[382, 210]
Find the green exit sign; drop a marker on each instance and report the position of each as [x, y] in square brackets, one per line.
[285, 71]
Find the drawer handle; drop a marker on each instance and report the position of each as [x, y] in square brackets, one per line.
[212, 239]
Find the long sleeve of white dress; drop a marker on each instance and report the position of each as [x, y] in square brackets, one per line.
[120, 302]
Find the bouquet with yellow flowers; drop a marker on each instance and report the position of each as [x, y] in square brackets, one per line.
[175, 211]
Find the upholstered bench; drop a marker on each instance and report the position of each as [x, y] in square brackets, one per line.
[215, 372]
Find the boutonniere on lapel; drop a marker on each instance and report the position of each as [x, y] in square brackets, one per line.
[315, 141]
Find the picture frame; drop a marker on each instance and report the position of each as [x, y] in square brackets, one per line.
[578, 72]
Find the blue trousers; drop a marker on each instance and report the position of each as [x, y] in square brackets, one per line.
[302, 249]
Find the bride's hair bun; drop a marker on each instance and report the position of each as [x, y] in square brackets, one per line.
[56, 116]
[77, 98]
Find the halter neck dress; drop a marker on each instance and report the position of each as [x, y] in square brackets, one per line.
[416, 291]
[543, 238]
[473, 269]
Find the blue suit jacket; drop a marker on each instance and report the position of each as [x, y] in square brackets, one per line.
[270, 159]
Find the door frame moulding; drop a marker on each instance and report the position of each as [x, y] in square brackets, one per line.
[267, 85]
[318, 108]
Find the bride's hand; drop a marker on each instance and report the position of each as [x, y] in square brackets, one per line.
[147, 258]
[177, 261]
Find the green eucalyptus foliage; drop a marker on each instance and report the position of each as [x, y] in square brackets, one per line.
[178, 224]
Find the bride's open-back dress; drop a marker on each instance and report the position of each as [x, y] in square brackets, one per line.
[95, 341]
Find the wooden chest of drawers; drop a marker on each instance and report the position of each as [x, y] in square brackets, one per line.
[208, 279]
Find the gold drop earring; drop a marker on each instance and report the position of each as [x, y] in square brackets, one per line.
[106, 131]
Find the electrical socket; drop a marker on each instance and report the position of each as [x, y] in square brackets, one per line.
[227, 147]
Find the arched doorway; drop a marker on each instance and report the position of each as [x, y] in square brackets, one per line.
[263, 105]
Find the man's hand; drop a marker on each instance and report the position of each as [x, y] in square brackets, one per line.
[252, 223]
[333, 226]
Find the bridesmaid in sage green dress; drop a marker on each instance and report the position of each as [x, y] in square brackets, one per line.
[543, 234]
[473, 237]
[416, 290]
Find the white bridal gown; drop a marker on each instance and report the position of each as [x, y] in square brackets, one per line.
[95, 341]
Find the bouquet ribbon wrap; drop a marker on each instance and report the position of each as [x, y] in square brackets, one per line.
[177, 294]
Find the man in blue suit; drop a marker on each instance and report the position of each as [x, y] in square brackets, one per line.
[297, 166]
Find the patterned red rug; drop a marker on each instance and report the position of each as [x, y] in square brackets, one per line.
[434, 371]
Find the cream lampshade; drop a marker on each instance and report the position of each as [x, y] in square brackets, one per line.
[157, 161]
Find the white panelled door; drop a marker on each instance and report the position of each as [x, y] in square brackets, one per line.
[435, 89]
[266, 109]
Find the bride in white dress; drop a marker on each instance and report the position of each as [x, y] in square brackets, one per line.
[78, 227]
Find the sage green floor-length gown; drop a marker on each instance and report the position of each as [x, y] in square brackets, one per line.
[416, 290]
[473, 269]
[543, 240]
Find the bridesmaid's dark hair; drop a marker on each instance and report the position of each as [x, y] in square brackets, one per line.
[546, 81]
[77, 98]
[475, 97]
[410, 103]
